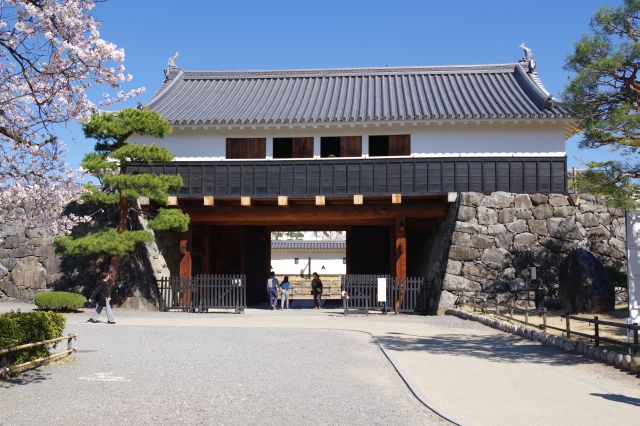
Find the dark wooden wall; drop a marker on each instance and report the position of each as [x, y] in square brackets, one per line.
[336, 177]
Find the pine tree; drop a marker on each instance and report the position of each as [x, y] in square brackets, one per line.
[120, 190]
[604, 98]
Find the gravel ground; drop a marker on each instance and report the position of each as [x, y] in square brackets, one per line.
[208, 375]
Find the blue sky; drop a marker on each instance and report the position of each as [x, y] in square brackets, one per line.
[349, 33]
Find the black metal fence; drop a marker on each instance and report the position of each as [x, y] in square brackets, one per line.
[401, 294]
[203, 292]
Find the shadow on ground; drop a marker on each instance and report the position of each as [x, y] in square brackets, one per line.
[619, 398]
[498, 348]
[26, 378]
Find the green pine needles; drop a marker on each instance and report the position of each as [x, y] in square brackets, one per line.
[108, 164]
[604, 98]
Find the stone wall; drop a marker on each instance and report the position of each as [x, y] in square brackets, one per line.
[498, 237]
[28, 264]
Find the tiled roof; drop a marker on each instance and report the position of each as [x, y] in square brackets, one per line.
[501, 91]
[308, 245]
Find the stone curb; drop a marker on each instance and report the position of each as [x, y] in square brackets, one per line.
[626, 362]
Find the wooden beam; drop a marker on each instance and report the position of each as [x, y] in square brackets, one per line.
[283, 200]
[396, 198]
[358, 199]
[208, 200]
[320, 200]
[344, 214]
[172, 200]
[245, 201]
[401, 247]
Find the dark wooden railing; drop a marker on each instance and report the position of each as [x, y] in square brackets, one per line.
[542, 315]
[362, 293]
[203, 292]
[367, 176]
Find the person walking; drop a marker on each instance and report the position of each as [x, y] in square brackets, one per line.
[285, 289]
[316, 289]
[272, 290]
[102, 296]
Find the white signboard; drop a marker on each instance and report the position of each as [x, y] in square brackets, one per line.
[382, 290]
[633, 265]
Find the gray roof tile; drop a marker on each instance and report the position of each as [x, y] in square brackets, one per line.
[501, 91]
[308, 245]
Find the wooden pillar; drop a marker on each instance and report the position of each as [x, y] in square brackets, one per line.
[401, 259]
[401, 248]
[185, 266]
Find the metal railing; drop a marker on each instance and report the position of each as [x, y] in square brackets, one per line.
[530, 315]
[203, 292]
[401, 294]
[6, 371]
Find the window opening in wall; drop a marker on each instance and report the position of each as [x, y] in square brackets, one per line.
[389, 145]
[241, 148]
[341, 146]
[293, 147]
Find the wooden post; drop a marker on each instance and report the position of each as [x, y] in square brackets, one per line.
[401, 259]
[596, 326]
[544, 319]
[635, 339]
[568, 326]
[185, 268]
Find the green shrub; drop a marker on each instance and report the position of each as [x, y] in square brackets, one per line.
[18, 328]
[59, 301]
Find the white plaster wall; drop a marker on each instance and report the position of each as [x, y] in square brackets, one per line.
[535, 138]
[283, 263]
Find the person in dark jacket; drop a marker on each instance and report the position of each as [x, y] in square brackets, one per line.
[102, 295]
[316, 289]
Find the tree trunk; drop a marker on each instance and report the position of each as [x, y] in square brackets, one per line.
[122, 226]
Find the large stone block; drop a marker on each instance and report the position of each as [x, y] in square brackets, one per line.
[497, 258]
[481, 241]
[8, 288]
[585, 286]
[478, 270]
[598, 233]
[524, 241]
[466, 213]
[498, 200]
[487, 216]
[472, 199]
[507, 215]
[537, 199]
[564, 228]
[496, 229]
[518, 227]
[460, 238]
[454, 267]
[14, 241]
[538, 227]
[522, 201]
[29, 274]
[470, 228]
[594, 208]
[504, 240]
[457, 283]
[447, 301]
[457, 252]
[564, 211]
[558, 200]
[588, 220]
[525, 214]
[543, 211]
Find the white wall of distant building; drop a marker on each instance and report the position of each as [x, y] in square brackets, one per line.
[441, 139]
[283, 261]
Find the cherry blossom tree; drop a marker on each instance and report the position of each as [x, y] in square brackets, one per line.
[51, 53]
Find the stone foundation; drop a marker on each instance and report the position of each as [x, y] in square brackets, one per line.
[498, 237]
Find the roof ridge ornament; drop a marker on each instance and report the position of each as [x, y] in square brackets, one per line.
[172, 69]
[528, 58]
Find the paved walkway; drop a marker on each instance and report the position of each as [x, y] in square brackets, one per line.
[473, 374]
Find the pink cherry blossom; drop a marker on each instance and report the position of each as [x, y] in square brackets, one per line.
[50, 54]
